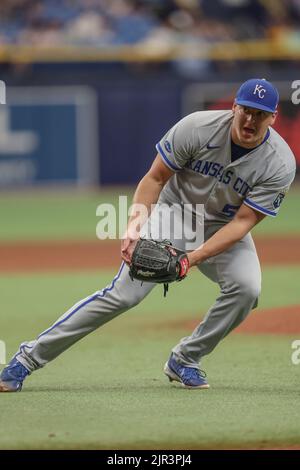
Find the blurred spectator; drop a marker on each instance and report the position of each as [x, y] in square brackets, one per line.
[89, 28]
[103, 23]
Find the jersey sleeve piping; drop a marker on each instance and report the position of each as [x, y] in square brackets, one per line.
[255, 206]
[165, 158]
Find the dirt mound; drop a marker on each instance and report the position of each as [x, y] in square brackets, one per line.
[59, 255]
[280, 320]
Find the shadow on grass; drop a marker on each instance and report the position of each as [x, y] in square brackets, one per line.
[98, 388]
[156, 385]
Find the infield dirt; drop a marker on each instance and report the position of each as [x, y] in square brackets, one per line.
[53, 256]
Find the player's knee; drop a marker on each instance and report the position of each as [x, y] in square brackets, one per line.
[249, 289]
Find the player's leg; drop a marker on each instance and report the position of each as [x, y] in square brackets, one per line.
[83, 318]
[237, 271]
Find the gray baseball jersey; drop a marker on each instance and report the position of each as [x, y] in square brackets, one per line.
[198, 149]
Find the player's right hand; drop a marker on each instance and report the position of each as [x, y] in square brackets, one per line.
[127, 248]
[128, 243]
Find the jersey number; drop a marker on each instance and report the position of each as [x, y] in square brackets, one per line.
[230, 210]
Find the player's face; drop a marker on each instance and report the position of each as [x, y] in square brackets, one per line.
[250, 125]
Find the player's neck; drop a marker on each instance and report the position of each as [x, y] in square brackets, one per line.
[249, 146]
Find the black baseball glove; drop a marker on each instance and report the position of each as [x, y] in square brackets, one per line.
[158, 262]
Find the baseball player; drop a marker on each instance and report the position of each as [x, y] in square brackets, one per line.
[240, 169]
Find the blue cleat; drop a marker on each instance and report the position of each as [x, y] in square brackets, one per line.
[12, 377]
[189, 377]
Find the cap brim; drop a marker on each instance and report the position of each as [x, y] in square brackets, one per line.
[250, 104]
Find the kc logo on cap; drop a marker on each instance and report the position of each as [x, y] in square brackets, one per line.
[260, 91]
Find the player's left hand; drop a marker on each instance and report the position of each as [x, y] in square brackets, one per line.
[158, 261]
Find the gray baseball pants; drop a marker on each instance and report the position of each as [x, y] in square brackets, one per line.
[237, 271]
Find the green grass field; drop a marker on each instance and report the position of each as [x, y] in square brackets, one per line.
[63, 215]
[108, 391]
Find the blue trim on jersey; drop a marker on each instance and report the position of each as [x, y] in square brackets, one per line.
[259, 208]
[266, 136]
[90, 299]
[164, 156]
[108, 289]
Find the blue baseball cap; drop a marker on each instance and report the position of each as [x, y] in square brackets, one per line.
[258, 93]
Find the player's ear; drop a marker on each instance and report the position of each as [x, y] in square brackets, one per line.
[274, 116]
[234, 107]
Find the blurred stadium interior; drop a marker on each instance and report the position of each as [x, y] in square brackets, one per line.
[92, 85]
